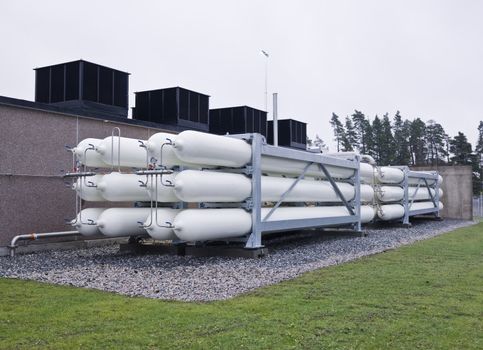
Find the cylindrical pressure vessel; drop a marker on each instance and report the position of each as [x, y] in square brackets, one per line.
[389, 212]
[395, 193]
[117, 187]
[165, 188]
[425, 205]
[215, 150]
[215, 224]
[161, 151]
[422, 193]
[202, 148]
[387, 194]
[131, 153]
[388, 175]
[86, 188]
[158, 224]
[118, 222]
[414, 181]
[86, 221]
[86, 154]
[209, 186]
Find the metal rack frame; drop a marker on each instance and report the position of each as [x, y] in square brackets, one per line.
[260, 225]
[254, 203]
[423, 178]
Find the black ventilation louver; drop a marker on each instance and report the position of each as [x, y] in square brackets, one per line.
[82, 86]
[176, 106]
[291, 133]
[238, 120]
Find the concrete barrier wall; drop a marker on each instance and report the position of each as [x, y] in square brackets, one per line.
[33, 197]
[458, 190]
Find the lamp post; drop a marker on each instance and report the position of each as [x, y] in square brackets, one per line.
[265, 53]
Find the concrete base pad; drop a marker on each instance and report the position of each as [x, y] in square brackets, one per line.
[198, 251]
[152, 248]
[234, 252]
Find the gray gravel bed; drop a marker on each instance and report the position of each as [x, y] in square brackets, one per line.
[204, 279]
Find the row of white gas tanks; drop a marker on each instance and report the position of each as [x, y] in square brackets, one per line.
[211, 224]
[196, 150]
[213, 186]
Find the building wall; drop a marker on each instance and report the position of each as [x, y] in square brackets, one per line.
[33, 197]
[458, 190]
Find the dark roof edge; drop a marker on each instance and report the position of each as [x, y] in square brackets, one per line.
[172, 87]
[13, 102]
[284, 119]
[81, 60]
[258, 109]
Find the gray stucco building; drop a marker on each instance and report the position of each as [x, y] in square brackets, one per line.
[33, 157]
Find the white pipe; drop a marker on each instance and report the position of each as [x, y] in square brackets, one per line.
[35, 236]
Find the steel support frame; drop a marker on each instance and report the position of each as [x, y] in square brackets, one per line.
[260, 224]
[422, 182]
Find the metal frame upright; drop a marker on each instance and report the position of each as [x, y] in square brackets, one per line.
[260, 225]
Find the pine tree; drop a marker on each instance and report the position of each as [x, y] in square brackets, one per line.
[478, 184]
[368, 137]
[378, 139]
[360, 126]
[320, 144]
[387, 155]
[349, 142]
[435, 141]
[339, 132]
[417, 142]
[401, 140]
[461, 149]
[479, 143]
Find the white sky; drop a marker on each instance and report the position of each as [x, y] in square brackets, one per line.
[422, 57]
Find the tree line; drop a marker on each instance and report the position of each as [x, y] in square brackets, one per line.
[399, 141]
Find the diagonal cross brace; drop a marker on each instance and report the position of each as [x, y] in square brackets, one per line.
[430, 194]
[336, 189]
[300, 177]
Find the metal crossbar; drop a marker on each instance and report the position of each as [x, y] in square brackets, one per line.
[336, 189]
[285, 194]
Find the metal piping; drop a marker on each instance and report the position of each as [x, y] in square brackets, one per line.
[34, 236]
[275, 119]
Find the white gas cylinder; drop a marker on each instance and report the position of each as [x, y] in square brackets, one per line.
[117, 187]
[389, 212]
[388, 175]
[118, 222]
[214, 224]
[202, 148]
[161, 151]
[131, 153]
[209, 186]
[86, 221]
[86, 188]
[158, 224]
[86, 154]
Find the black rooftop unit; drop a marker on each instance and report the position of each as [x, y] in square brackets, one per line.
[176, 106]
[291, 133]
[81, 86]
[238, 120]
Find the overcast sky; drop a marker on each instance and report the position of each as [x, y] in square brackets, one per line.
[424, 58]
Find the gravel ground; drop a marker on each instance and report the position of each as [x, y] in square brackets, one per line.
[204, 279]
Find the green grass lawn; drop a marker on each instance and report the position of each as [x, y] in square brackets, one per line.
[427, 295]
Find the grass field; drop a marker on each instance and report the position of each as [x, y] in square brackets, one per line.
[425, 296]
